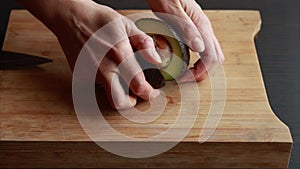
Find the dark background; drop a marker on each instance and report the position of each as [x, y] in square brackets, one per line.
[277, 46]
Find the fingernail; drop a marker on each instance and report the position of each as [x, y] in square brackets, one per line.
[198, 45]
[154, 94]
[132, 101]
[156, 56]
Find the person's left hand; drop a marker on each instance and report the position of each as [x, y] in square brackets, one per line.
[197, 32]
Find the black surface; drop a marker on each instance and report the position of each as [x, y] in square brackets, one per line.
[277, 46]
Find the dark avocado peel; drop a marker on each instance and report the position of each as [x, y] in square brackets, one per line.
[174, 53]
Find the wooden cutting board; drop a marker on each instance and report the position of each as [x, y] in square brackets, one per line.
[39, 127]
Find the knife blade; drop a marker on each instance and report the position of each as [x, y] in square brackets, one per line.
[12, 60]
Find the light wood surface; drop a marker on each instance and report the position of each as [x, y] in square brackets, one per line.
[39, 127]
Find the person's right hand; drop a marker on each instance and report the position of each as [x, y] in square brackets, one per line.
[79, 20]
[195, 27]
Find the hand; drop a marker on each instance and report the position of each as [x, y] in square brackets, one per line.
[75, 21]
[88, 17]
[197, 33]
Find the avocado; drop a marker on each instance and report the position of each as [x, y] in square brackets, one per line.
[168, 45]
[154, 77]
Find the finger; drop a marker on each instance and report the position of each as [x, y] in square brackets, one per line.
[130, 71]
[207, 62]
[116, 94]
[183, 24]
[213, 51]
[142, 88]
[133, 75]
[145, 46]
[197, 73]
[219, 51]
[142, 42]
[213, 55]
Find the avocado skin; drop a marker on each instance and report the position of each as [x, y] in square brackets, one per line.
[183, 48]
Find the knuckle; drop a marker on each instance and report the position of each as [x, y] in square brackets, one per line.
[144, 41]
[210, 59]
[147, 40]
[203, 19]
[120, 103]
[206, 21]
[188, 28]
[198, 77]
[201, 77]
[120, 52]
[106, 69]
[140, 89]
[222, 59]
[214, 60]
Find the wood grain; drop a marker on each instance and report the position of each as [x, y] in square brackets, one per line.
[39, 127]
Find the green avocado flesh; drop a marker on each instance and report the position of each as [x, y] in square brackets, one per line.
[168, 46]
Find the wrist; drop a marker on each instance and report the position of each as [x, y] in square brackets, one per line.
[59, 19]
[53, 13]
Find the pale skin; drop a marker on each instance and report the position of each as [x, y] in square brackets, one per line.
[79, 19]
